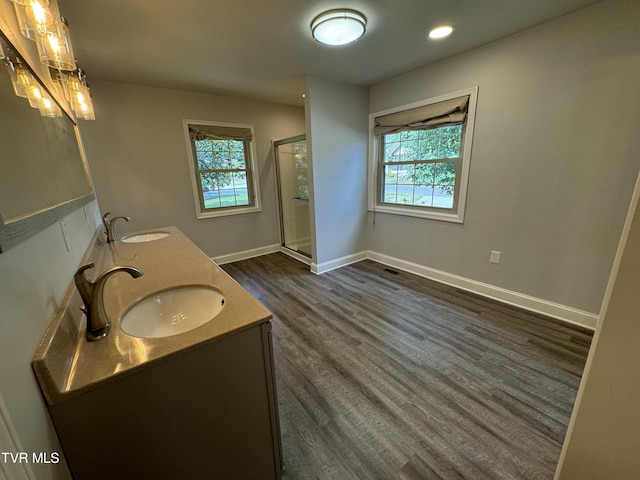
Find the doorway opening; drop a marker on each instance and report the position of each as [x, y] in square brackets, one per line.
[292, 173]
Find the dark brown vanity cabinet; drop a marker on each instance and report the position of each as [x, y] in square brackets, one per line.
[209, 412]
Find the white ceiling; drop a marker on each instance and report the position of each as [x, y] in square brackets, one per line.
[262, 49]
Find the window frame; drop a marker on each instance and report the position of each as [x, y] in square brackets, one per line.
[457, 212]
[253, 186]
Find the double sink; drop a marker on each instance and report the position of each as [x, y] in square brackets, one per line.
[182, 333]
[182, 302]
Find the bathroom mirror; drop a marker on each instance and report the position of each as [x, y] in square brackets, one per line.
[43, 175]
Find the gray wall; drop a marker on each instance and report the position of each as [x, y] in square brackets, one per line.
[555, 156]
[337, 122]
[138, 157]
[34, 277]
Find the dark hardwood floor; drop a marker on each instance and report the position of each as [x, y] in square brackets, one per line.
[387, 375]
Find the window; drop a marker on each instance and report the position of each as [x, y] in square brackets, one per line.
[222, 167]
[419, 167]
[421, 157]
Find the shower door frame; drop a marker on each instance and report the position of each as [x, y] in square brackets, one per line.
[297, 254]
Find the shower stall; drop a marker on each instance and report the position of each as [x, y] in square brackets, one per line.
[292, 173]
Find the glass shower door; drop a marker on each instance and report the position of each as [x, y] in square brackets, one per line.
[293, 185]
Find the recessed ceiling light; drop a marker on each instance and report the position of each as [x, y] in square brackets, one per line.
[441, 31]
[338, 27]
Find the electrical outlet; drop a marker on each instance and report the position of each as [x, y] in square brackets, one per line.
[495, 257]
[65, 235]
[86, 214]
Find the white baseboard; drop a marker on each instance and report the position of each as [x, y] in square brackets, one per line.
[254, 252]
[319, 268]
[555, 310]
[298, 256]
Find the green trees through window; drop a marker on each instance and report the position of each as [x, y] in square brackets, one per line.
[222, 171]
[420, 167]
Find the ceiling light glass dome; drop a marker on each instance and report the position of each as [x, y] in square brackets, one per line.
[338, 27]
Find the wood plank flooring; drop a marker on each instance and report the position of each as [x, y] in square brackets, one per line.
[387, 375]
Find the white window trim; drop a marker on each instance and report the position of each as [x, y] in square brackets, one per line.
[202, 214]
[447, 216]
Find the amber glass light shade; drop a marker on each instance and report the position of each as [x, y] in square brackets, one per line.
[54, 47]
[80, 96]
[39, 14]
[27, 28]
[36, 96]
[44, 3]
[21, 78]
[49, 108]
[85, 109]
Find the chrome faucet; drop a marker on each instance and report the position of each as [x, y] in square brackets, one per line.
[98, 323]
[108, 225]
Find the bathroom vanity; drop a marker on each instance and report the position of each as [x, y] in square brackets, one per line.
[191, 405]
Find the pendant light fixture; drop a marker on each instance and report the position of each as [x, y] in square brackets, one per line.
[54, 46]
[79, 95]
[21, 78]
[34, 18]
[338, 27]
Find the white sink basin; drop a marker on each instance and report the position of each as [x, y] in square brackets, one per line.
[173, 311]
[145, 237]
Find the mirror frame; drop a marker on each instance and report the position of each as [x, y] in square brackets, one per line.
[21, 228]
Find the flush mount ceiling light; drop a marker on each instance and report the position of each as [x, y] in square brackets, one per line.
[440, 31]
[338, 27]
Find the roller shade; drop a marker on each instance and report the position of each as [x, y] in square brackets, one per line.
[449, 112]
[216, 132]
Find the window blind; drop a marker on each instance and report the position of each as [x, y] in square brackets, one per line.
[449, 112]
[218, 132]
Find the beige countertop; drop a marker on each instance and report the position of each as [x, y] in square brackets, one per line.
[66, 364]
